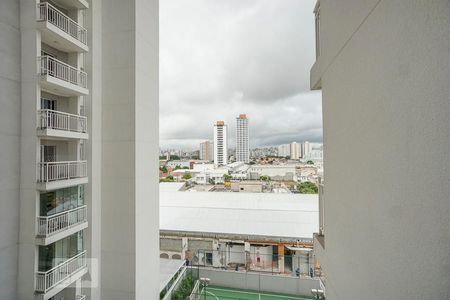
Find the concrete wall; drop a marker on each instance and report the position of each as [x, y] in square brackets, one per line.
[385, 83]
[130, 224]
[9, 146]
[260, 282]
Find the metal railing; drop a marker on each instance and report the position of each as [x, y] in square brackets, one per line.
[80, 297]
[49, 13]
[321, 208]
[195, 294]
[49, 225]
[49, 279]
[61, 170]
[53, 119]
[58, 69]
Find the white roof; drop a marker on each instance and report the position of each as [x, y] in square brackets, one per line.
[167, 269]
[262, 214]
[170, 186]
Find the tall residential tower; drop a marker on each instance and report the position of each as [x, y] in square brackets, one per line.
[220, 144]
[207, 150]
[242, 140]
[79, 115]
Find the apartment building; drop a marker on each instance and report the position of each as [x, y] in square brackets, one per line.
[220, 144]
[207, 151]
[79, 95]
[242, 139]
[296, 151]
[383, 68]
[284, 150]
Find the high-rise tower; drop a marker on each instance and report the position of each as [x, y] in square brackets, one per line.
[242, 150]
[220, 144]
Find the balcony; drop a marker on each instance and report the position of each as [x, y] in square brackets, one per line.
[60, 31]
[56, 124]
[54, 280]
[57, 175]
[60, 225]
[60, 78]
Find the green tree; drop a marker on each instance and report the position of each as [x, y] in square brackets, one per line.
[163, 168]
[227, 177]
[264, 178]
[187, 176]
[185, 288]
[307, 187]
[310, 162]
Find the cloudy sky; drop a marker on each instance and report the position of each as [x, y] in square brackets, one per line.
[220, 58]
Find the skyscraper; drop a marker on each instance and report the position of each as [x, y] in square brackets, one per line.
[242, 151]
[207, 150]
[284, 150]
[295, 150]
[220, 144]
[306, 149]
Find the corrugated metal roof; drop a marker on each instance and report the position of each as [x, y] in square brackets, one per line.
[263, 214]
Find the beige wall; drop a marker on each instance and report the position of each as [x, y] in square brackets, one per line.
[385, 75]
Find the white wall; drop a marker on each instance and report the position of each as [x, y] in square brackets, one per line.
[386, 91]
[130, 224]
[9, 146]
[260, 282]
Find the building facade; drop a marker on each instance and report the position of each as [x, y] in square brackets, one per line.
[383, 71]
[207, 151]
[284, 150]
[79, 109]
[242, 139]
[306, 149]
[220, 144]
[296, 151]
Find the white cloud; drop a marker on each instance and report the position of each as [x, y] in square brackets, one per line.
[220, 58]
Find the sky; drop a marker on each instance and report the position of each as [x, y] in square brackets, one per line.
[221, 58]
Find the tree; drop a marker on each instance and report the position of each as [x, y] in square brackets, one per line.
[307, 187]
[163, 168]
[187, 176]
[227, 177]
[264, 178]
[309, 162]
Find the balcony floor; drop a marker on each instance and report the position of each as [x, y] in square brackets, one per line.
[61, 286]
[58, 39]
[44, 241]
[61, 88]
[55, 134]
[59, 184]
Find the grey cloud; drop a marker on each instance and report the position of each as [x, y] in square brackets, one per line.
[222, 58]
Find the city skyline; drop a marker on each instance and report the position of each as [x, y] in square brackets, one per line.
[214, 66]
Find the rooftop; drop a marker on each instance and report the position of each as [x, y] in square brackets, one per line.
[257, 214]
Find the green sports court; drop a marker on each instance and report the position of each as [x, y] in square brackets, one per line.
[221, 293]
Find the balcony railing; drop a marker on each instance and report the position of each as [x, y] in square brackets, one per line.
[321, 208]
[47, 280]
[47, 12]
[62, 170]
[52, 119]
[58, 69]
[50, 225]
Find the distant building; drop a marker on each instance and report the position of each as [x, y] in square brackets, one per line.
[307, 147]
[207, 151]
[246, 186]
[295, 150]
[284, 150]
[242, 139]
[220, 144]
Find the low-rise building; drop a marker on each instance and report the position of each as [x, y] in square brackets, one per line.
[247, 186]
